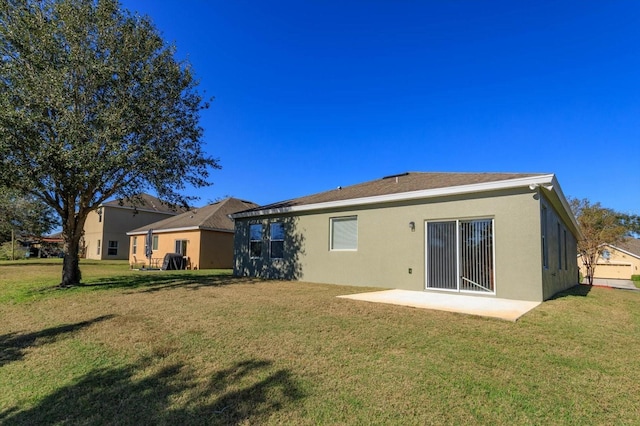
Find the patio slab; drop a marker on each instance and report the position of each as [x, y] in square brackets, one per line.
[506, 309]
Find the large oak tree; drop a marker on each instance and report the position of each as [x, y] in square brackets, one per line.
[94, 104]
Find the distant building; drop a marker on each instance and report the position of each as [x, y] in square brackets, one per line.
[105, 230]
[202, 236]
[619, 261]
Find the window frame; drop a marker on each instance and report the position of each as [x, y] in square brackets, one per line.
[134, 245]
[559, 230]
[273, 240]
[566, 257]
[461, 258]
[255, 242]
[332, 221]
[544, 235]
[112, 249]
[154, 243]
[182, 245]
[99, 248]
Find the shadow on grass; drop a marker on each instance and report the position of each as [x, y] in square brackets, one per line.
[14, 345]
[152, 281]
[248, 392]
[163, 280]
[580, 290]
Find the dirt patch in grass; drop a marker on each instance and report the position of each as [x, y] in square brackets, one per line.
[230, 351]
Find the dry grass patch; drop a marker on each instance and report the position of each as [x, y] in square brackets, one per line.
[211, 350]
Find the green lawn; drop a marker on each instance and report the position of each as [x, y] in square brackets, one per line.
[200, 347]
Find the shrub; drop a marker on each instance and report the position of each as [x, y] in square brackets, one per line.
[19, 252]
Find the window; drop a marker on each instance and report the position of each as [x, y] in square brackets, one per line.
[112, 248]
[606, 254]
[255, 240]
[276, 237]
[545, 249]
[559, 249]
[344, 233]
[134, 245]
[566, 264]
[98, 250]
[154, 244]
[181, 247]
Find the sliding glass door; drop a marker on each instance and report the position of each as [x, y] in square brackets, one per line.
[460, 255]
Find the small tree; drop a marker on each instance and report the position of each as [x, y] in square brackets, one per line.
[632, 223]
[93, 105]
[599, 226]
[24, 214]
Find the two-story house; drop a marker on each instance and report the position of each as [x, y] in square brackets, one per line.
[105, 230]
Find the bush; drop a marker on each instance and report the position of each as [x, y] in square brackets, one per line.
[19, 252]
[635, 278]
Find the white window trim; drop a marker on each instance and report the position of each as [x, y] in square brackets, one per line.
[458, 289]
[331, 220]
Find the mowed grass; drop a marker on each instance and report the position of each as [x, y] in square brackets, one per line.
[202, 347]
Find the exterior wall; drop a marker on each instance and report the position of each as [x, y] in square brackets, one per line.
[205, 249]
[93, 233]
[390, 255]
[216, 250]
[116, 222]
[167, 244]
[620, 265]
[561, 271]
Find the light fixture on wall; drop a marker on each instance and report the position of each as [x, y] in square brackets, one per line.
[412, 226]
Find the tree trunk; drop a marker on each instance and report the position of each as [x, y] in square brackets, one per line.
[72, 230]
[71, 264]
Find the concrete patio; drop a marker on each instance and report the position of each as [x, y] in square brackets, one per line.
[505, 309]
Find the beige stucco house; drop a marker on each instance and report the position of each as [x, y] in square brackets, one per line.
[204, 236]
[619, 261]
[105, 230]
[488, 234]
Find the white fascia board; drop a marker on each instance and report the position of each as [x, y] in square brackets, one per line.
[413, 195]
[186, 228]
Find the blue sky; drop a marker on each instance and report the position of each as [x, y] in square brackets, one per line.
[310, 95]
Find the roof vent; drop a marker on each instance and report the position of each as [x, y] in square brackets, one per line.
[396, 176]
[339, 188]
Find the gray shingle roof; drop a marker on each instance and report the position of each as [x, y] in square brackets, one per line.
[145, 202]
[213, 217]
[632, 245]
[395, 184]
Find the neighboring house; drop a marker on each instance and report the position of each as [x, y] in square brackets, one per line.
[105, 230]
[204, 236]
[493, 234]
[619, 261]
